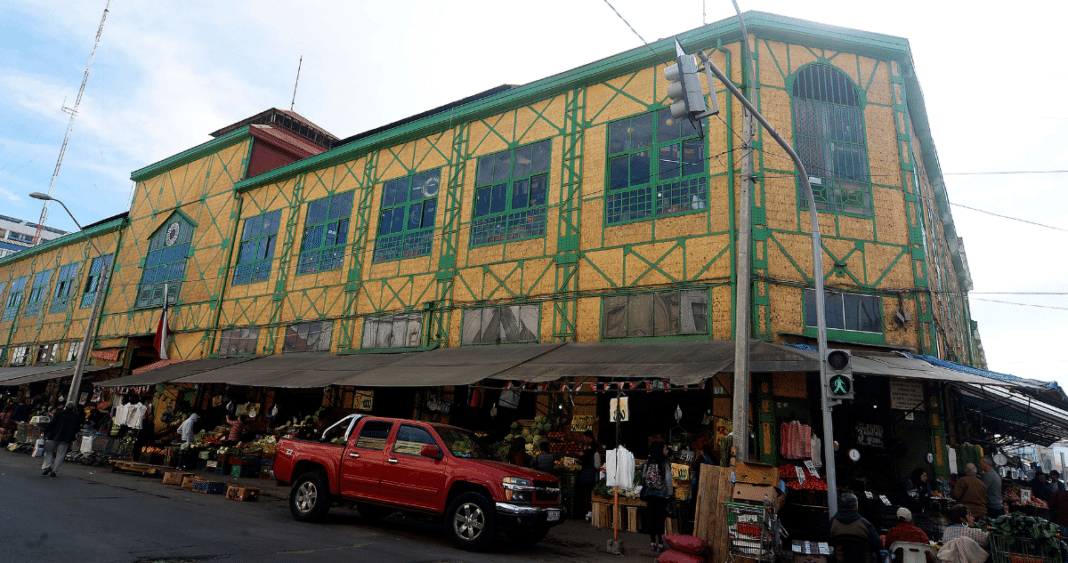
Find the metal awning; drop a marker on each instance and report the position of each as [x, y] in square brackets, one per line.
[1009, 412]
[9, 373]
[898, 365]
[451, 366]
[295, 370]
[682, 363]
[171, 370]
[56, 372]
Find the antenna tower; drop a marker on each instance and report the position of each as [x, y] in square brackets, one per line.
[295, 82]
[73, 113]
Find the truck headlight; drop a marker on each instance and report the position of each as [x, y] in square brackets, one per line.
[517, 489]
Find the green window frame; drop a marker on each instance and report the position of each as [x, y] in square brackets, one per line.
[656, 313]
[509, 324]
[258, 238]
[14, 299]
[308, 337]
[850, 312]
[406, 222]
[656, 168]
[326, 227]
[238, 341]
[168, 252]
[65, 282]
[38, 291]
[97, 269]
[830, 139]
[403, 330]
[511, 194]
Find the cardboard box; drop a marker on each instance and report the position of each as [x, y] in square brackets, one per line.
[756, 473]
[174, 477]
[810, 552]
[744, 492]
[233, 492]
[188, 480]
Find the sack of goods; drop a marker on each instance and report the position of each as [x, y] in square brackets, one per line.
[38, 448]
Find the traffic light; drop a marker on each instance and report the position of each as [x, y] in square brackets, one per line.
[839, 374]
[686, 92]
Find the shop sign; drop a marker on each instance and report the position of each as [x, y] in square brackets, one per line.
[620, 406]
[906, 395]
[364, 400]
[869, 435]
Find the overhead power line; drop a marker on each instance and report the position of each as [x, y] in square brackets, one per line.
[1005, 172]
[1010, 218]
[1022, 304]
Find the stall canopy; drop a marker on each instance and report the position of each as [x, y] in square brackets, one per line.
[1012, 413]
[169, 370]
[451, 366]
[893, 364]
[681, 363]
[9, 373]
[53, 372]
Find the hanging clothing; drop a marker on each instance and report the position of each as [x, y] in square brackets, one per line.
[795, 440]
[136, 415]
[619, 468]
[817, 452]
[186, 429]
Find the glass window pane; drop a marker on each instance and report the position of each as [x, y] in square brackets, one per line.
[317, 210]
[619, 176]
[639, 168]
[670, 167]
[485, 171]
[615, 317]
[694, 312]
[415, 215]
[502, 162]
[520, 194]
[385, 222]
[640, 315]
[666, 313]
[472, 327]
[619, 137]
[252, 227]
[341, 205]
[693, 157]
[342, 231]
[835, 311]
[522, 160]
[498, 199]
[398, 220]
[641, 134]
[667, 128]
[429, 207]
[482, 202]
[540, 157]
[538, 190]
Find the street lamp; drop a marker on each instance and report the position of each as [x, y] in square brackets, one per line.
[83, 353]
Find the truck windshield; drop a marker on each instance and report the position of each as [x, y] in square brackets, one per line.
[462, 443]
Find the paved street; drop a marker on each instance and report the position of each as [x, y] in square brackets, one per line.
[90, 514]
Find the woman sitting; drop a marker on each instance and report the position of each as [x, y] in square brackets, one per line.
[961, 523]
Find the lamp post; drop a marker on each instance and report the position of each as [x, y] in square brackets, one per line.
[83, 353]
[817, 275]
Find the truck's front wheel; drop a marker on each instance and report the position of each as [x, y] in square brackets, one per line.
[309, 500]
[471, 522]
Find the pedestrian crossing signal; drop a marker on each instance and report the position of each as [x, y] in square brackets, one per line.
[839, 374]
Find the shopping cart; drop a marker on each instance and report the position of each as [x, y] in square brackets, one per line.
[1021, 550]
[752, 531]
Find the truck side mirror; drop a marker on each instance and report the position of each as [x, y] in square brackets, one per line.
[430, 450]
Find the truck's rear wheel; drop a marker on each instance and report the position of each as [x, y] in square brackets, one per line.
[309, 500]
[471, 522]
[527, 536]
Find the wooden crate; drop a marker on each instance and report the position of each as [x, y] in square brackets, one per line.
[175, 477]
[233, 492]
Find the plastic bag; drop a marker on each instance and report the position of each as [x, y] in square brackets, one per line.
[38, 448]
[686, 544]
[87, 444]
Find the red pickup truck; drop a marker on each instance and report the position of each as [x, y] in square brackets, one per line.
[384, 465]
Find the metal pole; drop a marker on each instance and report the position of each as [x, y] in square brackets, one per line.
[743, 310]
[817, 262]
[83, 353]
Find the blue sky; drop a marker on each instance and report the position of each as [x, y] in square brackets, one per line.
[168, 73]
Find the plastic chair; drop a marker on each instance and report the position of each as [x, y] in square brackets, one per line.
[913, 552]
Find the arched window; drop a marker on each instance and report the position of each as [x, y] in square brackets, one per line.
[168, 250]
[829, 137]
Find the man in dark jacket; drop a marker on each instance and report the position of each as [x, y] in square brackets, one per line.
[58, 435]
[849, 523]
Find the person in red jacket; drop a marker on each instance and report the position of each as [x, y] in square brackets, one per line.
[906, 531]
[1058, 510]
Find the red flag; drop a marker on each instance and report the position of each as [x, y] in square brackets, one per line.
[160, 341]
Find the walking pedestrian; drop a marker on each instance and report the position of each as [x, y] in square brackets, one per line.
[59, 433]
[657, 492]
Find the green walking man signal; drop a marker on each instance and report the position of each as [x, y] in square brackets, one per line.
[839, 374]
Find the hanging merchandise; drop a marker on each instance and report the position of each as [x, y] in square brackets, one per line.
[474, 397]
[509, 399]
[620, 468]
[795, 440]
